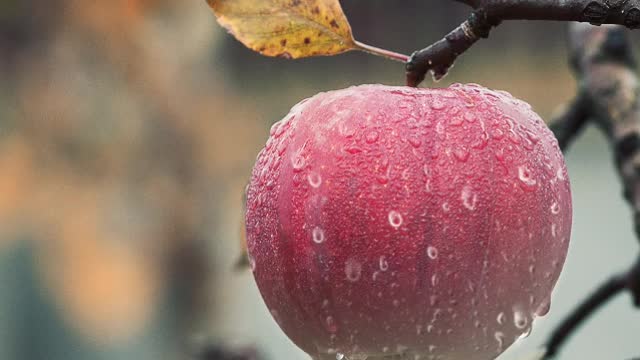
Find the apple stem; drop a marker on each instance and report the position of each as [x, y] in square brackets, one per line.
[381, 52]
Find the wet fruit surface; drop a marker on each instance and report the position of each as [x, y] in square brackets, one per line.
[429, 223]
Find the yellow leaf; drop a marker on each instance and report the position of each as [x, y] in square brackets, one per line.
[287, 28]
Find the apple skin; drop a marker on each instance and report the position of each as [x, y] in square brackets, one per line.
[417, 223]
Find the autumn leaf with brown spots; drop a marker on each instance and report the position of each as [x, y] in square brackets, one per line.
[291, 28]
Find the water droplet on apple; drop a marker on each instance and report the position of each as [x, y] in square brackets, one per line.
[461, 153]
[406, 174]
[499, 336]
[525, 333]
[426, 170]
[525, 176]
[437, 104]
[497, 133]
[353, 270]
[252, 262]
[427, 186]
[297, 161]
[455, 121]
[415, 142]
[432, 252]
[318, 235]
[395, 219]
[315, 180]
[372, 137]
[332, 327]
[555, 208]
[500, 318]
[544, 307]
[469, 199]
[384, 265]
[469, 117]
[520, 319]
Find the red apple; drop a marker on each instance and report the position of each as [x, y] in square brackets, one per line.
[420, 223]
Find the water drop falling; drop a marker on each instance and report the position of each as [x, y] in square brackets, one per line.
[395, 219]
[318, 235]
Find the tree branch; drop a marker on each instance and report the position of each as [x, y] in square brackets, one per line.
[601, 296]
[609, 93]
[568, 123]
[440, 56]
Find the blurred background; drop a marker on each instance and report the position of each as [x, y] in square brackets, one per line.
[128, 129]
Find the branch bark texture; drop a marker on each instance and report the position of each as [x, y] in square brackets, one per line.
[608, 95]
[440, 56]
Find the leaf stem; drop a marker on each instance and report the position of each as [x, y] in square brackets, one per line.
[381, 52]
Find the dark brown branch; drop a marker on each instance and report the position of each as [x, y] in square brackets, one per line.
[216, 352]
[627, 281]
[439, 57]
[597, 299]
[567, 125]
[608, 94]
